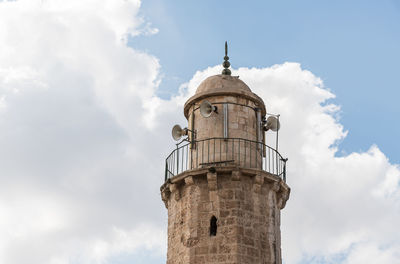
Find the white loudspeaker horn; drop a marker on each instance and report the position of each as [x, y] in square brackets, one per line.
[272, 123]
[206, 108]
[178, 132]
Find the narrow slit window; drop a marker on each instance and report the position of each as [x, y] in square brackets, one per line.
[213, 226]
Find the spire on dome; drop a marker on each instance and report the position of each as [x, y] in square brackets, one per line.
[226, 62]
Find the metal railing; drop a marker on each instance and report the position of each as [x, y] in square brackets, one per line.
[224, 151]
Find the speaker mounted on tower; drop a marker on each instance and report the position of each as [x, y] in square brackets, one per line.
[206, 109]
[178, 132]
[272, 123]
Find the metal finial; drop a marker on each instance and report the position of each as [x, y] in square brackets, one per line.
[226, 62]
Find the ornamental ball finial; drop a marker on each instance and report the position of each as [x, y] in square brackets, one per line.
[226, 62]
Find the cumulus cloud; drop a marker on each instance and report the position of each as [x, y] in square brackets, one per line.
[78, 159]
[83, 138]
[342, 209]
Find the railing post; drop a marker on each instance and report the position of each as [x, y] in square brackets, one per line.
[284, 169]
[166, 170]
[177, 159]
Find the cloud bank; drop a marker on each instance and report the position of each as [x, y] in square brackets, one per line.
[342, 209]
[79, 168]
[83, 138]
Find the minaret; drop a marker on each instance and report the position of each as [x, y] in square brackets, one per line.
[224, 188]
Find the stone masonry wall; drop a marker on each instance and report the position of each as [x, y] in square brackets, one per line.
[242, 120]
[242, 124]
[247, 207]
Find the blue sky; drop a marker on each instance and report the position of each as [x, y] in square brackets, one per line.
[89, 92]
[351, 45]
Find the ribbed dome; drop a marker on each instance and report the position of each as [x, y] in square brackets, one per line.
[222, 82]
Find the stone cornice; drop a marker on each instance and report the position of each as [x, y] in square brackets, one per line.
[261, 177]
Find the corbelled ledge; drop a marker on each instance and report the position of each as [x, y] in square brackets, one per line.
[174, 184]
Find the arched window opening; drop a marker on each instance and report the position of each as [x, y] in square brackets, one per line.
[213, 226]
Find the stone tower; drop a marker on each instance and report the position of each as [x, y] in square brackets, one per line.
[224, 188]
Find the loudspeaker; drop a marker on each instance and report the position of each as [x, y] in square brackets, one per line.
[272, 123]
[178, 132]
[206, 108]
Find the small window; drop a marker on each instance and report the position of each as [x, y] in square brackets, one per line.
[213, 226]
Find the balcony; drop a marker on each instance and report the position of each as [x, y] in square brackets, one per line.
[213, 152]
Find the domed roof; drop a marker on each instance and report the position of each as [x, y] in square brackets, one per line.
[222, 82]
[223, 85]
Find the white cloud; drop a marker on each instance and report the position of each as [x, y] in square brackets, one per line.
[74, 165]
[371, 253]
[83, 137]
[340, 205]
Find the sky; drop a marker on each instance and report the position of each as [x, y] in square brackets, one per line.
[351, 45]
[89, 91]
